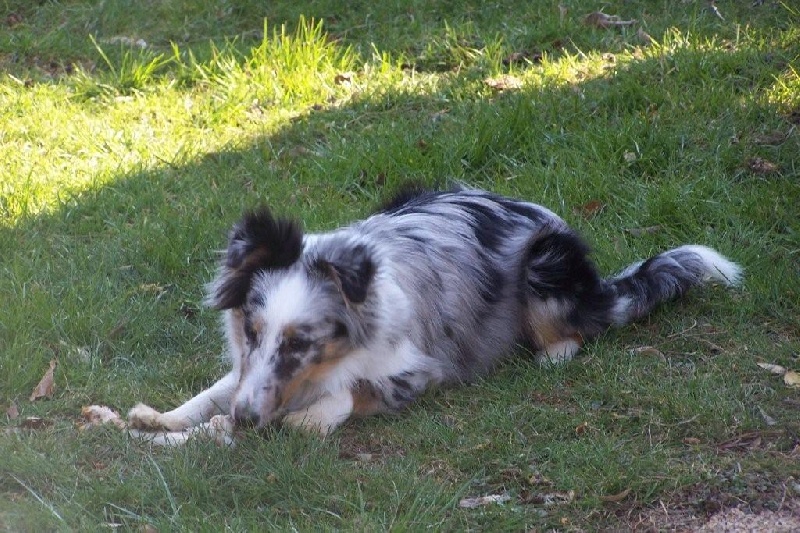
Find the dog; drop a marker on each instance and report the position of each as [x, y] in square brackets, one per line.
[435, 288]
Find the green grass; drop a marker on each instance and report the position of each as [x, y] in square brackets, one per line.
[122, 167]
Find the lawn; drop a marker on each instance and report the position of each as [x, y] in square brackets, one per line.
[133, 134]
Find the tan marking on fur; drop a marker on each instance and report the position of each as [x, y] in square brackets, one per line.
[366, 400]
[289, 332]
[546, 324]
[238, 329]
[332, 353]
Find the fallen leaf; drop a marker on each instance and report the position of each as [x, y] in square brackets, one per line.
[548, 498]
[46, 385]
[759, 165]
[771, 138]
[343, 78]
[775, 369]
[504, 82]
[590, 209]
[650, 351]
[13, 20]
[12, 412]
[598, 19]
[791, 378]
[582, 428]
[479, 501]
[630, 157]
[35, 422]
[691, 441]
[613, 498]
[97, 415]
[539, 479]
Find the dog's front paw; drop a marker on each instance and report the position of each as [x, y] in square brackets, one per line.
[145, 417]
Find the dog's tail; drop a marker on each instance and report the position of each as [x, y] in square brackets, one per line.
[642, 286]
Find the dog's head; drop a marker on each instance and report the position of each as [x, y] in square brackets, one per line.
[294, 312]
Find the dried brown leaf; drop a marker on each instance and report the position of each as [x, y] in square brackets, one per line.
[46, 386]
[692, 441]
[582, 428]
[12, 411]
[618, 497]
[759, 165]
[590, 209]
[343, 78]
[548, 499]
[14, 19]
[650, 351]
[35, 422]
[771, 138]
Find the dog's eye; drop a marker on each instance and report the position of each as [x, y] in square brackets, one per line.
[295, 344]
[339, 330]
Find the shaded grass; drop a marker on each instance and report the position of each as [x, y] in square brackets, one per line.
[122, 173]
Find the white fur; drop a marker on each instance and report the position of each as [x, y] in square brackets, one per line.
[718, 268]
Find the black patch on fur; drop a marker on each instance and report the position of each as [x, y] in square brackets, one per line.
[663, 277]
[340, 330]
[522, 209]
[408, 193]
[287, 366]
[559, 266]
[403, 392]
[490, 226]
[257, 242]
[249, 331]
[351, 270]
[491, 290]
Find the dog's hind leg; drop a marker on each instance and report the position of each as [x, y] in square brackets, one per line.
[566, 300]
[213, 401]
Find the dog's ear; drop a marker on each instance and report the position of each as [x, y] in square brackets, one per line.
[257, 242]
[351, 269]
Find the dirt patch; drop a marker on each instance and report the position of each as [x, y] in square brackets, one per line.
[755, 504]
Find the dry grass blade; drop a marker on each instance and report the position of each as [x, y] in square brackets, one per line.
[46, 386]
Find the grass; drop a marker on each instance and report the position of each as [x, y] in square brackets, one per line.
[123, 166]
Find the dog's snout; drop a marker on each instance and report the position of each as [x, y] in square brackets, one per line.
[244, 416]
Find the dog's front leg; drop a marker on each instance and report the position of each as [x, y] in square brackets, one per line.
[212, 401]
[324, 415]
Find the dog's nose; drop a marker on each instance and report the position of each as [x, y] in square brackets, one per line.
[243, 416]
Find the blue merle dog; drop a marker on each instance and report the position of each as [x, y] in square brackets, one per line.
[437, 287]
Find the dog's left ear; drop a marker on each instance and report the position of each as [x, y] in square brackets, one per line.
[351, 269]
[259, 241]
